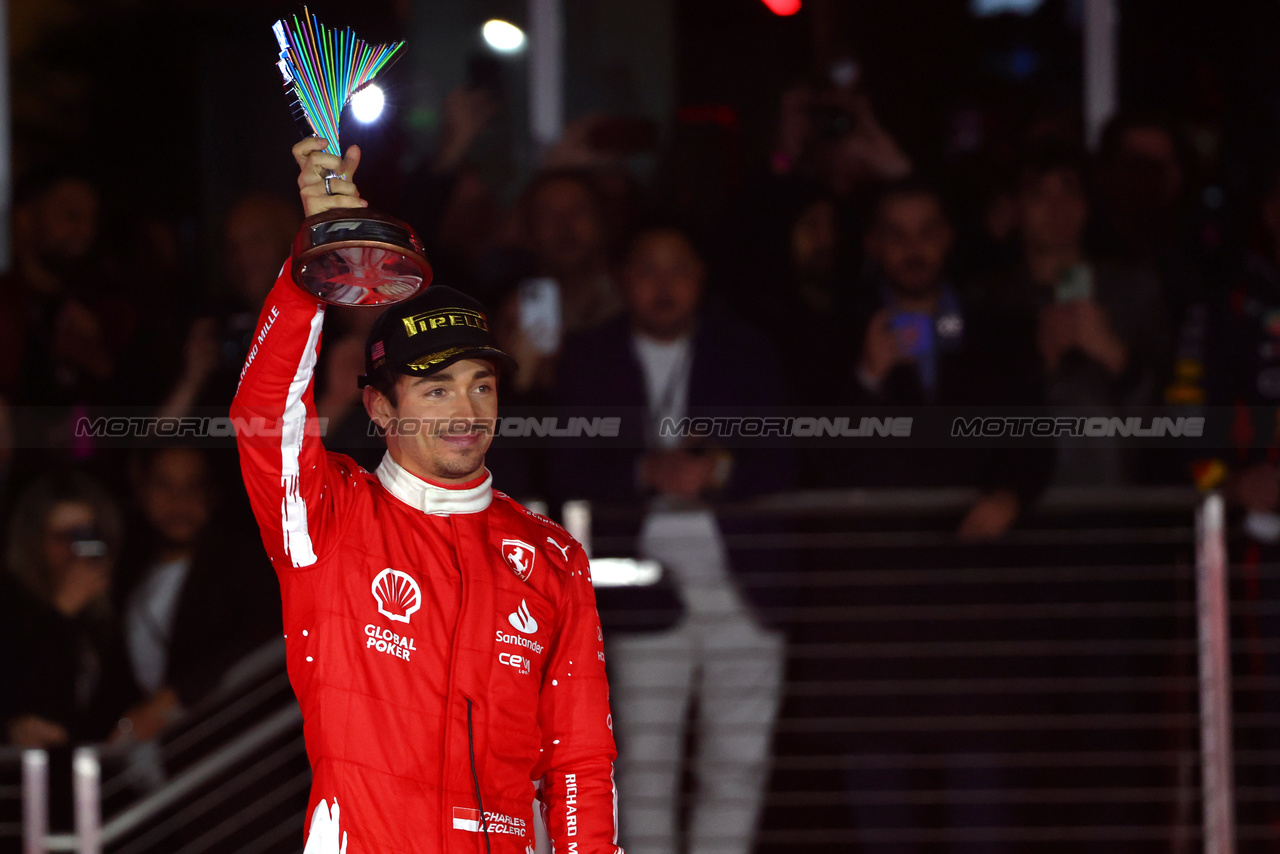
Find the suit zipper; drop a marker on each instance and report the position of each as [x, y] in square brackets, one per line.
[446, 815]
[475, 778]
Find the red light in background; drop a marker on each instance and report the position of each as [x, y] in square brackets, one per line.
[783, 7]
[719, 114]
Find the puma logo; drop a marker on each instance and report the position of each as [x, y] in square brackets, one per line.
[564, 550]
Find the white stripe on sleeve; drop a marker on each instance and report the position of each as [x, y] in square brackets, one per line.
[293, 510]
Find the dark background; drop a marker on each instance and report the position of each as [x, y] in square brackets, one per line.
[176, 108]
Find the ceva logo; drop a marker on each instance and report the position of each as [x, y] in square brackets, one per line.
[522, 620]
[397, 595]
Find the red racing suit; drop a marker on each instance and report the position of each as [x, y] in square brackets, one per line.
[443, 643]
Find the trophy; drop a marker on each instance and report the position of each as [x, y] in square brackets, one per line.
[344, 257]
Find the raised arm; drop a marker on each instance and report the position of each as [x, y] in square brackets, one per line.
[293, 484]
[578, 795]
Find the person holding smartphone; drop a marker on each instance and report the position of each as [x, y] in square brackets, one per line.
[1103, 327]
[924, 342]
[562, 216]
[65, 673]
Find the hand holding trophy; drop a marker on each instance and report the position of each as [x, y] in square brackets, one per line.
[345, 255]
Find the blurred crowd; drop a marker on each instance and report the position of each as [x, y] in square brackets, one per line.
[1035, 274]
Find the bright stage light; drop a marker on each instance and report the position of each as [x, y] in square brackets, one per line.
[502, 36]
[988, 8]
[783, 7]
[624, 572]
[367, 104]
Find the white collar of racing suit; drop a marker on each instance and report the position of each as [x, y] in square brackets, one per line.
[429, 498]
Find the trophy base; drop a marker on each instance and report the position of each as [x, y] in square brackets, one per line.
[359, 257]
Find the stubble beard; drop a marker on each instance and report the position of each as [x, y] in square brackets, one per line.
[449, 463]
[457, 467]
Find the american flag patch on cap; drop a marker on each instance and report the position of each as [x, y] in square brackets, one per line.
[378, 351]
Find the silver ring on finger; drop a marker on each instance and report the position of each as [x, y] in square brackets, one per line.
[328, 191]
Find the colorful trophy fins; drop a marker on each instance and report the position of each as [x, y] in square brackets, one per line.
[345, 257]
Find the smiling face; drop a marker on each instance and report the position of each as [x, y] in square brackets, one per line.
[440, 426]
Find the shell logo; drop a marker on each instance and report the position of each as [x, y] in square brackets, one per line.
[397, 595]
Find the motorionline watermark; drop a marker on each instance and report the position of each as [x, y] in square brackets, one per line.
[798, 427]
[606, 427]
[222, 426]
[519, 426]
[188, 426]
[930, 428]
[961, 427]
[1078, 427]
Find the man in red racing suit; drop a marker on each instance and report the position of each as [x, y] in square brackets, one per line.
[443, 641]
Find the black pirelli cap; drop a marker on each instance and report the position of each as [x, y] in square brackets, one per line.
[430, 332]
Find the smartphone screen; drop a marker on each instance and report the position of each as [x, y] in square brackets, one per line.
[540, 318]
[1075, 284]
[914, 330]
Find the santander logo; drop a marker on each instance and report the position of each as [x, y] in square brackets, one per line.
[397, 595]
[522, 620]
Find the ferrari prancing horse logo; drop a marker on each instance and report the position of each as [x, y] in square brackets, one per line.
[519, 556]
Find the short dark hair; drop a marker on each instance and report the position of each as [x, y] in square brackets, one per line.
[39, 182]
[911, 186]
[1112, 139]
[582, 177]
[658, 223]
[144, 457]
[387, 383]
[1045, 157]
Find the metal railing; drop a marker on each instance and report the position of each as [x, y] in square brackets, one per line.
[230, 777]
[1070, 684]
[1217, 773]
